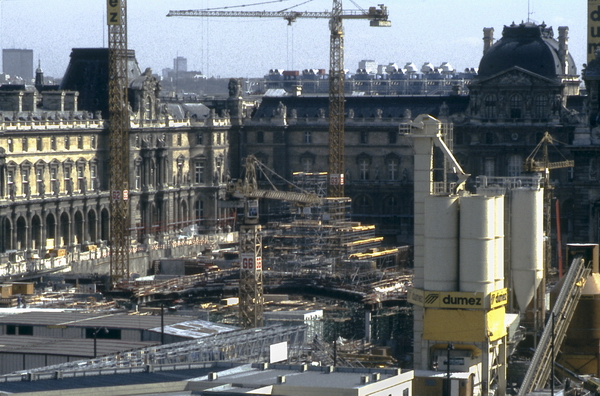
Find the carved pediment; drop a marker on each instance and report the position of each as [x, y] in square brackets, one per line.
[516, 77]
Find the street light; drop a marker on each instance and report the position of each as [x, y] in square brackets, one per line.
[450, 347]
[96, 330]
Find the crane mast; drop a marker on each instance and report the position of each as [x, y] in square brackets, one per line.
[378, 17]
[336, 103]
[251, 276]
[119, 139]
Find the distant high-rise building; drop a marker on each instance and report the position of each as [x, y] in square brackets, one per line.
[18, 63]
[180, 64]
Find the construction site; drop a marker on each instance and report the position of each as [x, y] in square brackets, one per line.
[473, 307]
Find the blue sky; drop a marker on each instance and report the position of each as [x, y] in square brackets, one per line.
[422, 31]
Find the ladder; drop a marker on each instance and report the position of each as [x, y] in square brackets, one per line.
[543, 358]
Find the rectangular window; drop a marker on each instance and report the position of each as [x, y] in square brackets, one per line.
[199, 172]
[306, 165]
[364, 137]
[392, 170]
[80, 142]
[307, 137]
[93, 177]
[138, 177]
[39, 144]
[26, 330]
[199, 138]
[53, 180]
[179, 139]
[53, 143]
[67, 143]
[39, 173]
[25, 144]
[10, 145]
[260, 137]
[364, 170]
[489, 167]
[392, 137]
[199, 212]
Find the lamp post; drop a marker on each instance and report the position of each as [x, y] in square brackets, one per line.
[450, 347]
[95, 333]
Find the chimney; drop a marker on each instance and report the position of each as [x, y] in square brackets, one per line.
[563, 48]
[488, 39]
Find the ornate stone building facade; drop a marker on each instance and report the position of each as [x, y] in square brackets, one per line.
[527, 84]
[54, 198]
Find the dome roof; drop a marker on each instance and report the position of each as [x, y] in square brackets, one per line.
[529, 46]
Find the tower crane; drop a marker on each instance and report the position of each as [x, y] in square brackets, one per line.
[119, 139]
[544, 165]
[250, 240]
[378, 17]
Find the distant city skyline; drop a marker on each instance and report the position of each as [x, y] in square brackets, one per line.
[422, 31]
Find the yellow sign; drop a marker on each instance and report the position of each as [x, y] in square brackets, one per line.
[439, 299]
[113, 8]
[495, 326]
[460, 325]
[498, 298]
[457, 300]
[593, 29]
[454, 325]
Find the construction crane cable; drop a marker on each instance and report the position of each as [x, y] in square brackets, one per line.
[244, 5]
[263, 168]
[297, 5]
[357, 6]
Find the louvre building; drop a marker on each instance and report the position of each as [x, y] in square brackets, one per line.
[54, 201]
[54, 169]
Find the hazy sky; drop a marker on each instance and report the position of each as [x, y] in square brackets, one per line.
[433, 31]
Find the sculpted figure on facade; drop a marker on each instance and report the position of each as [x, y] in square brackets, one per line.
[235, 88]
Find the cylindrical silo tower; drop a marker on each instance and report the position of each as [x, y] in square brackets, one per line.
[441, 243]
[526, 247]
[499, 243]
[477, 243]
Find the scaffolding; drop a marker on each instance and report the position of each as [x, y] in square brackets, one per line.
[243, 346]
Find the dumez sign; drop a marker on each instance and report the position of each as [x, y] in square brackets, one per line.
[460, 300]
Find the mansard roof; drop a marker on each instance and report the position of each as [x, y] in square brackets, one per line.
[87, 73]
[529, 46]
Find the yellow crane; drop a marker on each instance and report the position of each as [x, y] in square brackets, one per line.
[250, 240]
[378, 17]
[119, 140]
[544, 164]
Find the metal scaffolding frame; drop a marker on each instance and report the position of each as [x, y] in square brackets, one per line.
[243, 346]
